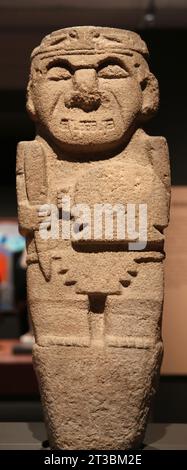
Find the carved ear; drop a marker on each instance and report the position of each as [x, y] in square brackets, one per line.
[150, 94]
[30, 104]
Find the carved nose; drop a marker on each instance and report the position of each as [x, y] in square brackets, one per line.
[85, 80]
[85, 94]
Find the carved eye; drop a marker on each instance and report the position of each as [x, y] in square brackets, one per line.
[112, 71]
[58, 73]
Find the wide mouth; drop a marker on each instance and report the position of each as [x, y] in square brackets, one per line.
[90, 125]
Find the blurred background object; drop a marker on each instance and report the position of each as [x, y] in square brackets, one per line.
[163, 25]
[11, 243]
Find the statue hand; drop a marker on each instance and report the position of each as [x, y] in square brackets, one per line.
[30, 216]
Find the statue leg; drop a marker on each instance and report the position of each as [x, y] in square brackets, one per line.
[59, 315]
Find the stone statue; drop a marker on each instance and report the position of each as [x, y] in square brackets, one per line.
[93, 201]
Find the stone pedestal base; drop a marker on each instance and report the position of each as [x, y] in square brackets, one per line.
[96, 397]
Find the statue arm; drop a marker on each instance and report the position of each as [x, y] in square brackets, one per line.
[160, 161]
[27, 213]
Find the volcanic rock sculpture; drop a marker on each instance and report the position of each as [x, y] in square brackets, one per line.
[95, 293]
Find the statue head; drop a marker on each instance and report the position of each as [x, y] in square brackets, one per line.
[90, 88]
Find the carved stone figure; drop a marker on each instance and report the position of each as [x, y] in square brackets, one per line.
[95, 298]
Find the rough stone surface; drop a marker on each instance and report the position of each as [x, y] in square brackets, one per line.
[95, 302]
